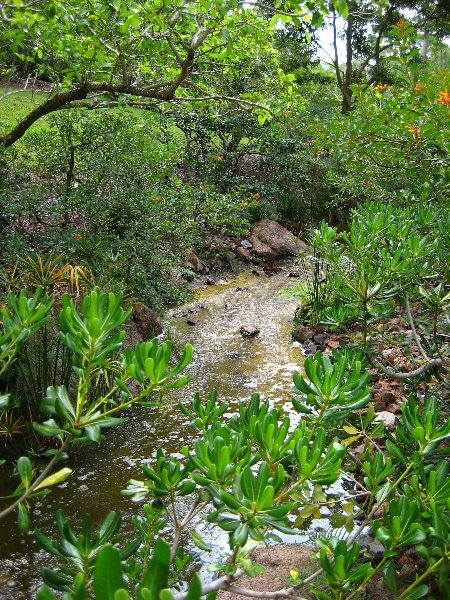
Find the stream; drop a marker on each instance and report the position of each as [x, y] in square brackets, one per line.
[223, 359]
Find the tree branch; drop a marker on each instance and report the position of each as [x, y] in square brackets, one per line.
[390, 372]
[413, 328]
[222, 583]
[38, 480]
[272, 9]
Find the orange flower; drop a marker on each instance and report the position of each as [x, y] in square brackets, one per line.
[78, 236]
[415, 133]
[443, 98]
[257, 203]
[421, 88]
[257, 195]
[219, 158]
[413, 129]
[245, 204]
[402, 23]
[380, 87]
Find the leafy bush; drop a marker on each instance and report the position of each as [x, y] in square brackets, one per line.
[394, 145]
[258, 471]
[102, 190]
[389, 260]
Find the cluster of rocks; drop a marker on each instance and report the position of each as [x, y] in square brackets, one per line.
[190, 313]
[268, 241]
[313, 341]
[249, 331]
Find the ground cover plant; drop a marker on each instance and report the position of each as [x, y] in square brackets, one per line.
[391, 266]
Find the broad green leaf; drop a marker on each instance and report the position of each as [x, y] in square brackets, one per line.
[23, 518]
[25, 470]
[45, 593]
[107, 573]
[156, 575]
[54, 479]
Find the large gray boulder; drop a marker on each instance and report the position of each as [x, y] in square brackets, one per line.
[271, 240]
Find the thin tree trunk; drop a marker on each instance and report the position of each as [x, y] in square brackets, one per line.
[424, 49]
[348, 78]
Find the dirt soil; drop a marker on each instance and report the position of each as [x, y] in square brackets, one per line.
[278, 561]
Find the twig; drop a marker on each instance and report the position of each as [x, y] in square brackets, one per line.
[413, 328]
[287, 593]
[219, 584]
[390, 372]
[38, 480]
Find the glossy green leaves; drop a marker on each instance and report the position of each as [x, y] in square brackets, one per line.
[92, 335]
[340, 564]
[330, 391]
[21, 317]
[150, 365]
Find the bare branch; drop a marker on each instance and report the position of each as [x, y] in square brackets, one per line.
[390, 372]
[222, 583]
[413, 328]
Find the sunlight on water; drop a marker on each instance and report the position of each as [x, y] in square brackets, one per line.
[223, 359]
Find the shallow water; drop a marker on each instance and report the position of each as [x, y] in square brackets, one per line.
[223, 359]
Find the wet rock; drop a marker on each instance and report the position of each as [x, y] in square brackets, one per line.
[302, 334]
[242, 253]
[191, 311]
[372, 545]
[191, 322]
[311, 349]
[271, 269]
[269, 238]
[192, 261]
[146, 321]
[294, 274]
[320, 338]
[249, 331]
[210, 281]
[262, 249]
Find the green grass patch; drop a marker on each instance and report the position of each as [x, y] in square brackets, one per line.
[15, 107]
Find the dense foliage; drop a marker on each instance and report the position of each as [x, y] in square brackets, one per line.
[258, 471]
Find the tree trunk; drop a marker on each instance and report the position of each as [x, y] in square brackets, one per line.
[424, 49]
[347, 93]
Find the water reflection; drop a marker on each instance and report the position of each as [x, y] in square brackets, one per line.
[223, 359]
